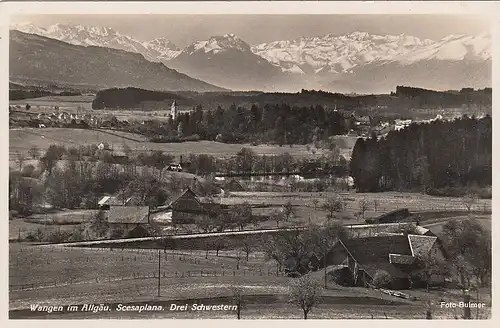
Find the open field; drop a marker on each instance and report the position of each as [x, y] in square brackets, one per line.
[82, 266]
[83, 104]
[50, 266]
[386, 201]
[46, 104]
[19, 228]
[23, 139]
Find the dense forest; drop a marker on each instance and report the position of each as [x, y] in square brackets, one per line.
[404, 98]
[426, 157]
[279, 124]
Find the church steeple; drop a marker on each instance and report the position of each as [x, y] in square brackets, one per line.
[173, 110]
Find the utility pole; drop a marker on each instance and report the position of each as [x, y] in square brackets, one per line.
[324, 264]
[477, 301]
[159, 271]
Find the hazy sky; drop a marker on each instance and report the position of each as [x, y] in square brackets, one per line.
[185, 29]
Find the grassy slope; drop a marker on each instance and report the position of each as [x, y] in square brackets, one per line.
[259, 291]
[23, 139]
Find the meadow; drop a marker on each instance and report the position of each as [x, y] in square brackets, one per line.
[23, 139]
[105, 276]
[46, 104]
[383, 201]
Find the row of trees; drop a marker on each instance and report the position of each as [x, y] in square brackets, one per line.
[245, 161]
[80, 184]
[426, 157]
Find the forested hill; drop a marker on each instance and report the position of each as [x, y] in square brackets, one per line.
[402, 98]
[426, 156]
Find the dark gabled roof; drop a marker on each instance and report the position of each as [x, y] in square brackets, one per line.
[377, 249]
[186, 193]
[186, 201]
[128, 214]
[394, 254]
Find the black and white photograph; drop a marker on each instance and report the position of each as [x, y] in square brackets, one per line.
[172, 163]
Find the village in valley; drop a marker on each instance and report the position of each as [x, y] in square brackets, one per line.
[246, 204]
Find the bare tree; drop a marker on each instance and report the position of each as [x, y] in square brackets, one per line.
[376, 204]
[430, 265]
[20, 158]
[358, 215]
[469, 201]
[246, 245]
[332, 205]
[305, 293]
[288, 210]
[241, 215]
[468, 245]
[237, 299]
[205, 223]
[219, 244]
[315, 204]
[363, 206]
[278, 217]
[34, 152]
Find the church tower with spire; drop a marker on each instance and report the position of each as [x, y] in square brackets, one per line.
[173, 110]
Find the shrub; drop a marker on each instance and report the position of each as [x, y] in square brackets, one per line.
[28, 171]
[342, 277]
[483, 193]
[13, 214]
[116, 233]
[58, 236]
[37, 235]
[381, 278]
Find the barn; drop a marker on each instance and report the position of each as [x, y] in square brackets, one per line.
[134, 221]
[395, 254]
[188, 207]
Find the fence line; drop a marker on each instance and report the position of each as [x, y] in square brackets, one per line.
[154, 275]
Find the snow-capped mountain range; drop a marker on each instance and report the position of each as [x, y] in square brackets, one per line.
[319, 61]
[337, 54]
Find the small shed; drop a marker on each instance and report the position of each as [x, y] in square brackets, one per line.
[129, 218]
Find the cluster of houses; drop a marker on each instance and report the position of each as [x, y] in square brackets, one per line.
[61, 119]
[184, 209]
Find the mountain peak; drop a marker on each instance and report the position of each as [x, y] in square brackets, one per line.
[216, 44]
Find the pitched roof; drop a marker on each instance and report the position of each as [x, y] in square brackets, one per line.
[380, 253]
[112, 200]
[424, 231]
[421, 245]
[128, 214]
[185, 193]
[378, 248]
[104, 200]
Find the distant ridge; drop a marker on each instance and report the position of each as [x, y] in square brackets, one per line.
[38, 58]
